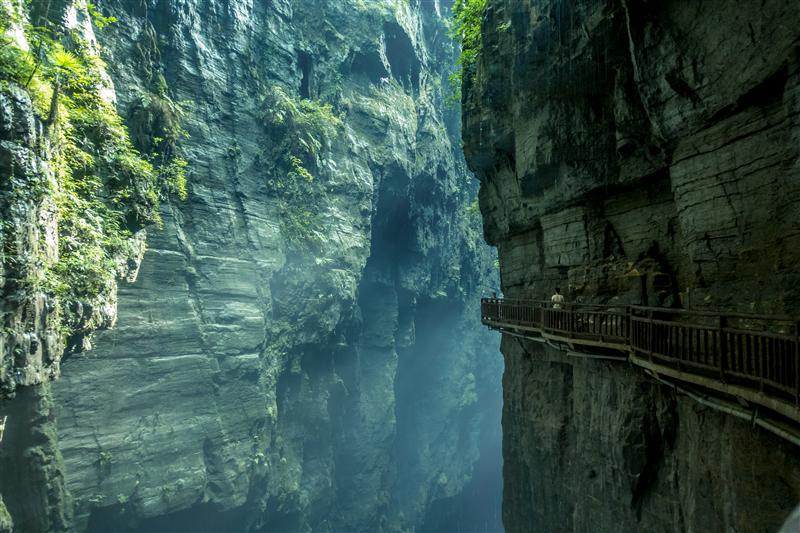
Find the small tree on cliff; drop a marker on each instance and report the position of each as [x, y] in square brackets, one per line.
[466, 30]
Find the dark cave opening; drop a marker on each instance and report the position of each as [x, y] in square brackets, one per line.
[306, 65]
[402, 58]
[367, 63]
[540, 179]
[392, 240]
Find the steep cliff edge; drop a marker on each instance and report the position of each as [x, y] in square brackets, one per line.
[298, 350]
[637, 153]
[74, 199]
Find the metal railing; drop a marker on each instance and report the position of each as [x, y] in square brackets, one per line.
[755, 353]
[525, 313]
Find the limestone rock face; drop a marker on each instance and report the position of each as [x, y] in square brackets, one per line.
[34, 496]
[30, 346]
[40, 319]
[637, 152]
[300, 349]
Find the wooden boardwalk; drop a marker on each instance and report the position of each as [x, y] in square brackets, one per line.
[751, 357]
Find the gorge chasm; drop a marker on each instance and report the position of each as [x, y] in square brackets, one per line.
[244, 244]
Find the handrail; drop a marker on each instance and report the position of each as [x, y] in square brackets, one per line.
[759, 361]
[732, 314]
[666, 310]
[548, 303]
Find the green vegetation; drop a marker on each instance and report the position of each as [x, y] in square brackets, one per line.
[104, 464]
[308, 124]
[303, 130]
[98, 19]
[465, 29]
[474, 209]
[106, 458]
[104, 189]
[297, 167]
[155, 127]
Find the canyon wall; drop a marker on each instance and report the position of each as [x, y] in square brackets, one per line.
[299, 350]
[637, 153]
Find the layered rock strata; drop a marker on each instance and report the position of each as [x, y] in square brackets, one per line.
[645, 153]
[299, 351]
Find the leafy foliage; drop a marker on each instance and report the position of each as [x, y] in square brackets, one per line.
[99, 20]
[155, 127]
[473, 209]
[303, 130]
[308, 124]
[297, 166]
[465, 28]
[104, 189]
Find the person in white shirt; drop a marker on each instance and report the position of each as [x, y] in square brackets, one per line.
[557, 299]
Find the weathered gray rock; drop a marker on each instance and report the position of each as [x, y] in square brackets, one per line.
[6, 524]
[296, 353]
[637, 152]
[30, 345]
[32, 470]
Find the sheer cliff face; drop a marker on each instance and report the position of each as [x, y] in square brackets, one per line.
[299, 350]
[637, 152]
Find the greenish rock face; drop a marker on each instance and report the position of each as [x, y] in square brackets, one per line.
[6, 524]
[300, 349]
[637, 153]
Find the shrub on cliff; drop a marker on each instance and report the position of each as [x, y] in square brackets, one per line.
[303, 130]
[465, 28]
[103, 188]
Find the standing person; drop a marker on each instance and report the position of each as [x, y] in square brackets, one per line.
[557, 299]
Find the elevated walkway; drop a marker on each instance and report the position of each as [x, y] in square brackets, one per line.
[752, 358]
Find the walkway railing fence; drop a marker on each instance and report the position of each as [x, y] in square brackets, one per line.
[757, 352]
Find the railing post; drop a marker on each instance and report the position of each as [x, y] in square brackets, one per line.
[650, 334]
[761, 347]
[797, 363]
[571, 321]
[687, 337]
[722, 346]
[627, 326]
[573, 329]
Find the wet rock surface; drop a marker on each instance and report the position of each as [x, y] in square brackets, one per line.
[638, 153]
